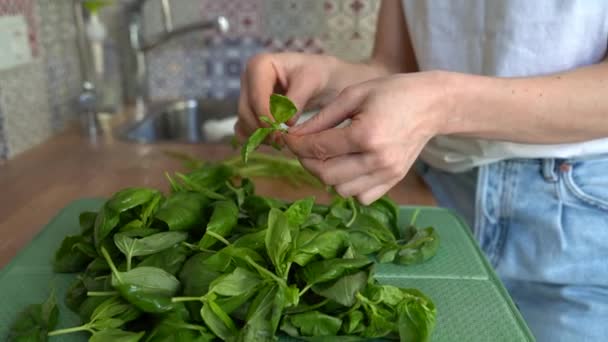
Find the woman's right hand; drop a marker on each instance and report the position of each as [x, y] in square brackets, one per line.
[301, 77]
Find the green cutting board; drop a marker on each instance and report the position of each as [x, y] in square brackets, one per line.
[472, 304]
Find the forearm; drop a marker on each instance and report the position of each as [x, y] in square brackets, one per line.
[560, 108]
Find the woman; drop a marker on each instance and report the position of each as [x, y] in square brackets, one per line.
[506, 104]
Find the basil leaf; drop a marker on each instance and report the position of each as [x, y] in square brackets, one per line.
[86, 220]
[198, 273]
[134, 226]
[387, 254]
[151, 279]
[421, 247]
[76, 294]
[130, 198]
[88, 306]
[381, 323]
[237, 306]
[69, 259]
[298, 212]
[190, 185]
[170, 260]
[35, 321]
[106, 220]
[211, 177]
[278, 240]
[281, 108]
[327, 244]
[264, 314]
[344, 289]
[110, 308]
[155, 243]
[246, 189]
[183, 210]
[255, 241]
[150, 209]
[272, 124]
[217, 320]
[144, 300]
[223, 219]
[238, 282]
[116, 335]
[96, 266]
[354, 323]
[314, 323]
[416, 321]
[254, 141]
[174, 329]
[326, 270]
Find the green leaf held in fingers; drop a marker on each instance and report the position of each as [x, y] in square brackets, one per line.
[254, 141]
[281, 109]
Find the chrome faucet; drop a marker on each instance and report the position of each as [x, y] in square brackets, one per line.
[139, 45]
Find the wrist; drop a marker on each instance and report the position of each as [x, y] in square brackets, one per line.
[452, 93]
[441, 92]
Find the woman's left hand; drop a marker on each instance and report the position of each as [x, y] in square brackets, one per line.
[392, 118]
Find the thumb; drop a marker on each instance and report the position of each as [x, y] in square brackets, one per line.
[344, 106]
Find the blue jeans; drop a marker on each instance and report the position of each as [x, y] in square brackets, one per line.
[543, 225]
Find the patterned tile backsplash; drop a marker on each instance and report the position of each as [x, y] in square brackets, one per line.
[37, 99]
[209, 65]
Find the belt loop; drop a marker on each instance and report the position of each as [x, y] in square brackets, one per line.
[548, 169]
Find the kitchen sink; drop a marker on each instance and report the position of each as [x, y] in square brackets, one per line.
[190, 121]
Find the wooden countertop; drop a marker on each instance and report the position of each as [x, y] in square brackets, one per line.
[38, 183]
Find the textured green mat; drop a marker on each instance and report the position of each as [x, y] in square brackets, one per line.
[472, 304]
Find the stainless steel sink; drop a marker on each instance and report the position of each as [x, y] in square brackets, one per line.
[188, 121]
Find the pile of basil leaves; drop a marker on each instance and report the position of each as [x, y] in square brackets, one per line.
[214, 261]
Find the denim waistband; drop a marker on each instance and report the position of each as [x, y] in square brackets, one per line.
[550, 167]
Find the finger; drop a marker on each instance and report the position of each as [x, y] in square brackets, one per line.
[239, 132]
[247, 121]
[324, 145]
[262, 78]
[370, 196]
[341, 108]
[341, 169]
[364, 183]
[299, 91]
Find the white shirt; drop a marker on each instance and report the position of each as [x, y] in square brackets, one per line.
[506, 38]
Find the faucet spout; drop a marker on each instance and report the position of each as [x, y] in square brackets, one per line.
[220, 24]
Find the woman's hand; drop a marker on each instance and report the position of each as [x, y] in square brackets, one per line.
[301, 77]
[392, 118]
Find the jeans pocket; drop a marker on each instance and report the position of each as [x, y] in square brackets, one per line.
[587, 181]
